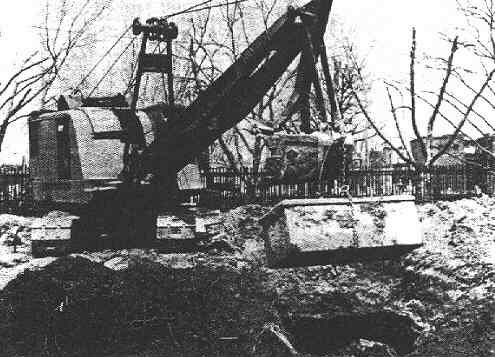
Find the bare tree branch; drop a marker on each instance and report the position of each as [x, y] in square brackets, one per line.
[466, 114]
[414, 122]
[459, 110]
[379, 132]
[396, 121]
[431, 121]
[474, 141]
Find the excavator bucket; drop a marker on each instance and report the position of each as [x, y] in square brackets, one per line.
[305, 232]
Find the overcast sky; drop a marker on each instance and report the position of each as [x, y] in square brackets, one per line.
[381, 31]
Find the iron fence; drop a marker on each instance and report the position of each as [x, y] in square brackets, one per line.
[14, 189]
[227, 187]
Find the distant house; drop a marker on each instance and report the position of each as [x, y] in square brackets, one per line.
[460, 150]
[380, 158]
[385, 157]
[487, 142]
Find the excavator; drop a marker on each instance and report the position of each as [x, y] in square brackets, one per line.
[124, 210]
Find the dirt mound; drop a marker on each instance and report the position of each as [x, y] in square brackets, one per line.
[46, 308]
[241, 224]
[78, 307]
[243, 233]
[453, 278]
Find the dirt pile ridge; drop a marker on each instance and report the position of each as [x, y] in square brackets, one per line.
[213, 309]
[452, 278]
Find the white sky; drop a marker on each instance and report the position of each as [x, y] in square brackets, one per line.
[381, 30]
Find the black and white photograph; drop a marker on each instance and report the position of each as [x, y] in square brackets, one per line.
[272, 178]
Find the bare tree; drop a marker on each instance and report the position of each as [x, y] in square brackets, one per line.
[22, 87]
[61, 33]
[430, 153]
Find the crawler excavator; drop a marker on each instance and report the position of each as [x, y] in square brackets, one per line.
[124, 209]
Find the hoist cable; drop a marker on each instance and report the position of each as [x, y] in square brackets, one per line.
[132, 79]
[188, 9]
[112, 65]
[102, 58]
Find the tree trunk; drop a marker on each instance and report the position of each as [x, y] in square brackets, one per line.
[256, 166]
[3, 130]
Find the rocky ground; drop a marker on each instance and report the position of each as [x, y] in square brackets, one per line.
[224, 301]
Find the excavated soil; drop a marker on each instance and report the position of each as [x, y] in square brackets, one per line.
[81, 308]
[437, 301]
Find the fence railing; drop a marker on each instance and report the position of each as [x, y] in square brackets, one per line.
[224, 187]
[14, 189]
[228, 187]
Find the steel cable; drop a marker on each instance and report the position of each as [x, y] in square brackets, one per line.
[103, 57]
[112, 65]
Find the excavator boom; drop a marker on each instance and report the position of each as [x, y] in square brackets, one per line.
[234, 94]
